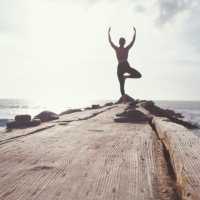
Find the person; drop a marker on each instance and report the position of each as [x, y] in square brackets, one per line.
[123, 64]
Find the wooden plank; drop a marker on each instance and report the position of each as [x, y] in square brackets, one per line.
[184, 150]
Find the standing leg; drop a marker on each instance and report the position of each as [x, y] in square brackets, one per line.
[121, 81]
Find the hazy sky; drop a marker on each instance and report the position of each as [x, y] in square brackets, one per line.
[58, 49]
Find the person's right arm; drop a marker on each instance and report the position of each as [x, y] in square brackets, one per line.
[110, 40]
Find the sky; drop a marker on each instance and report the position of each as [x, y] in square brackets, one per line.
[58, 50]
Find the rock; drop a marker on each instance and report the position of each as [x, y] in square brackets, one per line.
[23, 124]
[125, 99]
[108, 104]
[35, 122]
[46, 116]
[95, 106]
[87, 108]
[131, 116]
[69, 111]
[188, 125]
[16, 124]
[21, 121]
[160, 112]
[132, 105]
[170, 114]
[23, 118]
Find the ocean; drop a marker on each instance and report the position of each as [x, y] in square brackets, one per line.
[189, 109]
[11, 107]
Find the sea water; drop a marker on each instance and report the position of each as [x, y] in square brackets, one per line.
[9, 108]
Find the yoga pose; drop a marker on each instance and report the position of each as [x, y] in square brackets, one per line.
[123, 65]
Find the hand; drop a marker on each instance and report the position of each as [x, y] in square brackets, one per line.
[109, 29]
[134, 28]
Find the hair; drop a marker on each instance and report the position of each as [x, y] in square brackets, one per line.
[122, 41]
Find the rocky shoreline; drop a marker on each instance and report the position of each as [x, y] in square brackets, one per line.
[25, 121]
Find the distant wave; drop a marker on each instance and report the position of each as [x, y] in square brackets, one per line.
[6, 107]
[18, 107]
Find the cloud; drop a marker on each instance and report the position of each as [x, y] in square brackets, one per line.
[12, 12]
[188, 11]
[182, 15]
[170, 9]
[165, 11]
[191, 30]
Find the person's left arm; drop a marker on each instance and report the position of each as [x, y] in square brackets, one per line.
[133, 40]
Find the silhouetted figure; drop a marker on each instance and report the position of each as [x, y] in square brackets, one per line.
[123, 65]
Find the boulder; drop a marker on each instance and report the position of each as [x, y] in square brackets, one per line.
[125, 99]
[23, 124]
[108, 104]
[46, 116]
[170, 114]
[160, 112]
[87, 108]
[21, 121]
[17, 124]
[131, 116]
[35, 122]
[69, 111]
[132, 105]
[95, 106]
[23, 118]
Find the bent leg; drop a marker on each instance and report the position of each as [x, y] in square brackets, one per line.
[133, 73]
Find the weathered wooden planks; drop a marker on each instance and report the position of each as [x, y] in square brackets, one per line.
[86, 159]
[184, 150]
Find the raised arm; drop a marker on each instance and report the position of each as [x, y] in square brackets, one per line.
[133, 40]
[109, 38]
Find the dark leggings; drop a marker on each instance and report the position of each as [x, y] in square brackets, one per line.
[125, 68]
